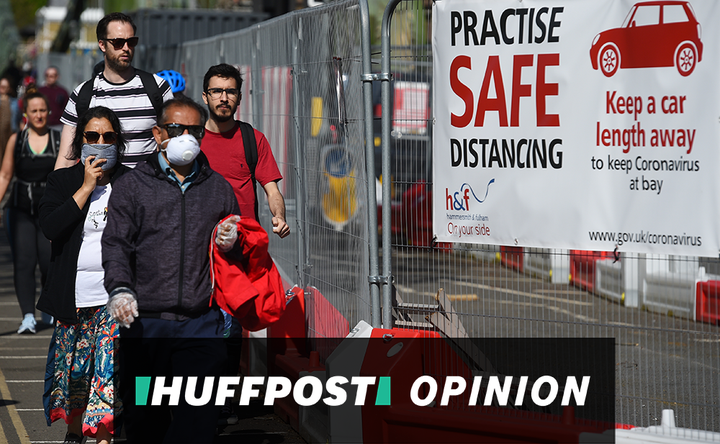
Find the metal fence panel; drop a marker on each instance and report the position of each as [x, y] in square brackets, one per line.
[665, 356]
[302, 89]
[303, 82]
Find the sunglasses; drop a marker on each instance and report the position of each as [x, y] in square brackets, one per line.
[119, 44]
[177, 129]
[94, 136]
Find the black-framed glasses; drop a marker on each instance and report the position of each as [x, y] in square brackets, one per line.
[94, 136]
[177, 129]
[216, 93]
[119, 43]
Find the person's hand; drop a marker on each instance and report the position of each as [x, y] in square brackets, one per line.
[227, 233]
[123, 308]
[280, 227]
[93, 172]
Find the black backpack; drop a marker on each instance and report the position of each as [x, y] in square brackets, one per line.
[251, 156]
[85, 94]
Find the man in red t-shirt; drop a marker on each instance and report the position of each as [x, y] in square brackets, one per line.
[223, 146]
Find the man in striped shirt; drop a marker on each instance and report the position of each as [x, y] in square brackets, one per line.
[120, 88]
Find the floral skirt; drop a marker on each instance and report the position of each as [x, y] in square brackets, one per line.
[84, 369]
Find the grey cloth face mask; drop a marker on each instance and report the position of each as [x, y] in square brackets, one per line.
[100, 151]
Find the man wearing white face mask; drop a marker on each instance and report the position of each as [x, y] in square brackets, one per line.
[154, 248]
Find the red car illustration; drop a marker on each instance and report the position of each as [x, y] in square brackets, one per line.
[654, 34]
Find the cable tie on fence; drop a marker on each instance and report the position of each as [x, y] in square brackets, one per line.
[383, 280]
[373, 77]
[616, 253]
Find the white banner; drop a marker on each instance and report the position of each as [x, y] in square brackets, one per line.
[578, 124]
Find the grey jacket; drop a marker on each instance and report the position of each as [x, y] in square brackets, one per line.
[157, 238]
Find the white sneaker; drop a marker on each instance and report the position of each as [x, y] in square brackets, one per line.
[28, 324]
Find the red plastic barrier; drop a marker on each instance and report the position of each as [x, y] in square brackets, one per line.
[457, 422]
[707, 306]
[512, 257]
[287, 355]
[582, 267]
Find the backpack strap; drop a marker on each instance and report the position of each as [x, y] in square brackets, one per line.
[55, 141]
[82, 103]
[152, 90]
[85, 94]
[19, 142]
[251, 156]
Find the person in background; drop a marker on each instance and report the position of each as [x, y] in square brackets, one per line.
[73, 215]
[118, 86]
[9, 113]
[175, 80]
[57, 97]
[157, 272]
[29, 156]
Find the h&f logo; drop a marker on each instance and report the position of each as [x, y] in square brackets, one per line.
[460, 200]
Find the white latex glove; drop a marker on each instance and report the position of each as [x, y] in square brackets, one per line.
[123, 308]
[227, 234]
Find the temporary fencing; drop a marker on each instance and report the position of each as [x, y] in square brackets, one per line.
[661, 309]
[304, 89]
[338, 125]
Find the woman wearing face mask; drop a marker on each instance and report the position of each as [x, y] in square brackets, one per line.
[29, 156]
[73, 214]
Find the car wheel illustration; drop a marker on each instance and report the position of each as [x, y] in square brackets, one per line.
[685, 59]
[609, 60]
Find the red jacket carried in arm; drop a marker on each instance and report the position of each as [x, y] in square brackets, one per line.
[250, 290]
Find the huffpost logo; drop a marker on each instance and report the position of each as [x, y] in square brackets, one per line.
[338, 390]
[306, 391]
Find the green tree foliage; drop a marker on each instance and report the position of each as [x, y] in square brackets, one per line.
[24, 11]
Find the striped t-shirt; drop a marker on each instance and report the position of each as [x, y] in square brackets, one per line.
[133, 107]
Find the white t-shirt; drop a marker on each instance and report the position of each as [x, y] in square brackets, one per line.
[89, 288]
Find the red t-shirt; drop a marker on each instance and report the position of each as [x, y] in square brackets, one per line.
[226, 154]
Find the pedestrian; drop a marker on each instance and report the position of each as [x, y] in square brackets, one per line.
[29, 156]
[157, 272]
[57, 97]
[118, 86]
[224, 147]
[73, 215]
[9, 113]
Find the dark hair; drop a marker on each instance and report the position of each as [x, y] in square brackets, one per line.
[182, 101]
[102, 25]
[13, 87]
[225, 71]
[32, 93]
[98, 112]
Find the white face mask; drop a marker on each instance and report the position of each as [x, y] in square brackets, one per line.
[181, 150]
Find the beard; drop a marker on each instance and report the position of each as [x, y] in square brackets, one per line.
[222, 118]
[117, 65]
